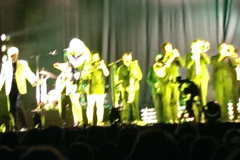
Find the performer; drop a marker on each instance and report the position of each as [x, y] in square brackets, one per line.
[189, 91]
[129, 75]
[95, 75]
[172, 61]
[14, 74]
[236, 81]
[62, 89]
[223, 66]
[197, 71]
[156, 88]
[77, 56]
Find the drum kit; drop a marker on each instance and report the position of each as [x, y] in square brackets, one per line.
[44, 96]
[50, 100]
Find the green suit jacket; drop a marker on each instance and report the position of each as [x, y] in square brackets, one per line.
[173, 70]
[191, 69]
[152, 78]
[133, 71]
[224, 69]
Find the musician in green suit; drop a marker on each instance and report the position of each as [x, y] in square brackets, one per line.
[156, 89]
[129, 75]
[223, 77]
[171, 61]
[197, 71]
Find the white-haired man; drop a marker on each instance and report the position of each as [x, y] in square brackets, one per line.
[77, 56]
[14, 73]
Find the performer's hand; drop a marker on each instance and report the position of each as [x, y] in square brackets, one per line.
[195, 56]
[37, 82]
[131, 88]
[176, 53]
[157, 84]
[102, 64]
[221, 57]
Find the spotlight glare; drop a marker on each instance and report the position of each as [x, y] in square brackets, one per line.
[3, 37]
[3, 48]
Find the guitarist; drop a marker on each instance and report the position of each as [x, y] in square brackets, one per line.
[129, 74]
[172, 61]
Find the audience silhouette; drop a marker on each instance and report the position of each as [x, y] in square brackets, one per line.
[187, 141]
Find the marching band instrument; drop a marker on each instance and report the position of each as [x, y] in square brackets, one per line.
[206, 46]
[199, 47]
[160, 67]
[225, 50]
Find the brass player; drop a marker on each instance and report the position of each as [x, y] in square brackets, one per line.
[196, 62]
[223, 77]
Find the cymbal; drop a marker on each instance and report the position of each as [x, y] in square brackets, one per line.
[51, 75]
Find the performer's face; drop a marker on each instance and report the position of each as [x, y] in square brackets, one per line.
[127, 59]
[77, 46]
[226, 50]
[168, 48]
[14, 57]
[197, 46]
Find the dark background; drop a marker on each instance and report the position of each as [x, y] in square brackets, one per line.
[115, 26]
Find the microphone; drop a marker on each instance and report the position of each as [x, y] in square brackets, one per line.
[53, 52]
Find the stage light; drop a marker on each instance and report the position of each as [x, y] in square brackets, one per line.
[212, 111]
[148, 116]
[238, 110]
[230, 110]
[4, 48]
[3, 37]
[4, 58]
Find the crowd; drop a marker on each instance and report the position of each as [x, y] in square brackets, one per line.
[187, 141]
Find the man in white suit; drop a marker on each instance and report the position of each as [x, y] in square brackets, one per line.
[14, 73]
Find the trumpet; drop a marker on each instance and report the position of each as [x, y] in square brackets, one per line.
[200, 46]
[206, 46]
[226, 50]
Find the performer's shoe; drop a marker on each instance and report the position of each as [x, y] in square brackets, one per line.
[141, 123]
[78, 124]
[170, 122]
[101, 124]
[23, 129]
[36, 110]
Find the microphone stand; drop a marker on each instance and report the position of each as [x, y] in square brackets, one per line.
[37, 76]
[38, 94]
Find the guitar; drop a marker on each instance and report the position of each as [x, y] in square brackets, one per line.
[160, 67]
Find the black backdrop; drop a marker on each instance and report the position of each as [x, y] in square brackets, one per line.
[115, 26]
